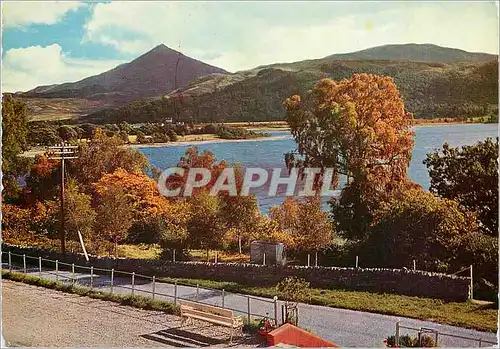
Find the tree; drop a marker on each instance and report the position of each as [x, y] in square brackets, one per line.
[42, 133]
[205, 226]
[14, 142]
[357, 127]
[104, 155]
[67, 133]
[42, 182]
[79, 214]
[115, 215]
[470, 176]
[417, 225]
[305, 222]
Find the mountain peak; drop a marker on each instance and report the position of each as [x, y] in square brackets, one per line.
[161, 48]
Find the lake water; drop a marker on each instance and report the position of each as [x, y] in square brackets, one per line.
[269, 153]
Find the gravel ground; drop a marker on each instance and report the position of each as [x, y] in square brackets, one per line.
[34, 316]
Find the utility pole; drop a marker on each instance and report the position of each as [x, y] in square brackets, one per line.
[62, 152]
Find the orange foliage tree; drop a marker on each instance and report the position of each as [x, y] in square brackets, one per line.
[359, 128]
[308, 226]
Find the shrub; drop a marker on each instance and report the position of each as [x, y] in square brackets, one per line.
[293, 289]
[406, 341]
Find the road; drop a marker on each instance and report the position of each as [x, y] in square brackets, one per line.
[345, 327]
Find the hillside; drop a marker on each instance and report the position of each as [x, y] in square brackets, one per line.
[157, 72]
[415, 52]
[434, 81]
[429, 89]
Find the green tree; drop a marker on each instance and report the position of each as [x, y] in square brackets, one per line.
[114, 217]
[205, 226]
[67, 133]
[79, 214]
[417, 225]
[14, 142]
[468, 175]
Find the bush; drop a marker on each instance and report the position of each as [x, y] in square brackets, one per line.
[293, 289]
[406, 341]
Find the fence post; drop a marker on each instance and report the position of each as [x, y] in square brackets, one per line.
[308, 260]
[112, 279]
[264, 260]
[154, 286]
[133, 282]
[57, 270]
[91, 277]
[10, 263]
[316, 261]
[173, 256]
[175, 292]
[24, 263]
[471, 284]
[40, 266]
[396, 340]
[248, 309]
[275, 298]
[215, 257]
[414, 265]
[197, 292]
[73, 272]
[357, 259]
[480, 342]
[223, 295]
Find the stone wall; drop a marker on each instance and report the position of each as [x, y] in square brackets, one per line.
[398, 281]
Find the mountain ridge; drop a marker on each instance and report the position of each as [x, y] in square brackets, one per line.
[156, 72]
[453, 88]
[415, 52]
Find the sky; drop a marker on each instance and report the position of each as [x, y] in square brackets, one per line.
[48, 42]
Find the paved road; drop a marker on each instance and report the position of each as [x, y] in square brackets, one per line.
[345, 327]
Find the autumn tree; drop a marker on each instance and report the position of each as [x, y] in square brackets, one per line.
[104, 155]
[42, 182]
[305, 222]
[115, 214]
[155, 219]
[468, 175]
[195, 159]
[357, 127]
[14, 142]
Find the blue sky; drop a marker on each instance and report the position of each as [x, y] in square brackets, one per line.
[52, 42]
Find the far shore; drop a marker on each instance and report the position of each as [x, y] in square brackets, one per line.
[207, 140]
[212, 138]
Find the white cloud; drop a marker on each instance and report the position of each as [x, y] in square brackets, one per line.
[23, 13]
[245, 35]
[27, 68]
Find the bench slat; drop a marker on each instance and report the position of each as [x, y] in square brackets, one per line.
[208, 308]
[188, 312]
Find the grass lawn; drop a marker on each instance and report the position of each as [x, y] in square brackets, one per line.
[229, 257]
[144, 251]
[481, 317]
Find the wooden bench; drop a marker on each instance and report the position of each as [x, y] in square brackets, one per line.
[212, 314]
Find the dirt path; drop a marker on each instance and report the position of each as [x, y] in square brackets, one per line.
[35, 316]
